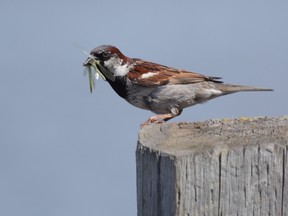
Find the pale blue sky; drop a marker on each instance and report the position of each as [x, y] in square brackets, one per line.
[64, 151]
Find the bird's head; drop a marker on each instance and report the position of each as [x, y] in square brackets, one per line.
[110, 62]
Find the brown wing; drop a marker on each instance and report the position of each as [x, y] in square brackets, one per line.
[148, 73]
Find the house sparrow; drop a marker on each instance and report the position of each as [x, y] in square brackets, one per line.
[164, 90]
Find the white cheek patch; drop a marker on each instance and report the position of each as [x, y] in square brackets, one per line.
[148, 75]
[122, 70]
[116, 67]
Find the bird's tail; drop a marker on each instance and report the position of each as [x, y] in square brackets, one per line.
[228, 88]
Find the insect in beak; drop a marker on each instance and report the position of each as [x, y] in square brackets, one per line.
[93, 63]
[91, 66]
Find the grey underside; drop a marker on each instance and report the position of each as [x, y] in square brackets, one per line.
[162, 99]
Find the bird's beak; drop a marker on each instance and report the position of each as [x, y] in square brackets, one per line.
[87, 62]
[96, 64]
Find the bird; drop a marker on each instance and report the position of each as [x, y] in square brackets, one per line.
[164, 90]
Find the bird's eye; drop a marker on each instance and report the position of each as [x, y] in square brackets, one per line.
[105, 54]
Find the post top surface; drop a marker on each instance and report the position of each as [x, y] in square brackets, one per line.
[183, 138]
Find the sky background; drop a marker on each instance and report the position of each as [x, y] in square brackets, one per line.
[64, 151]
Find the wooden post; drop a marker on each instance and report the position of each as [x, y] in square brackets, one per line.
[217, 167]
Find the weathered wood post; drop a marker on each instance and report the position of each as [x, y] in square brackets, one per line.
[218, 167]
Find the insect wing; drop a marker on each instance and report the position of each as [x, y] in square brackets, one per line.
[85, 71]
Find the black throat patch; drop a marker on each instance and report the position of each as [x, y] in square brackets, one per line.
[119, 86]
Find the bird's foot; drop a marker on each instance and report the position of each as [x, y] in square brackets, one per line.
[159, 119]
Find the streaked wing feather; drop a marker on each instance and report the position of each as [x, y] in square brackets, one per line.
[167, 76]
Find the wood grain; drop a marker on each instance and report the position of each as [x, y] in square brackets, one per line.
[217, 167]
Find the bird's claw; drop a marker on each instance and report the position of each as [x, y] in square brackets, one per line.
[159, 119]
